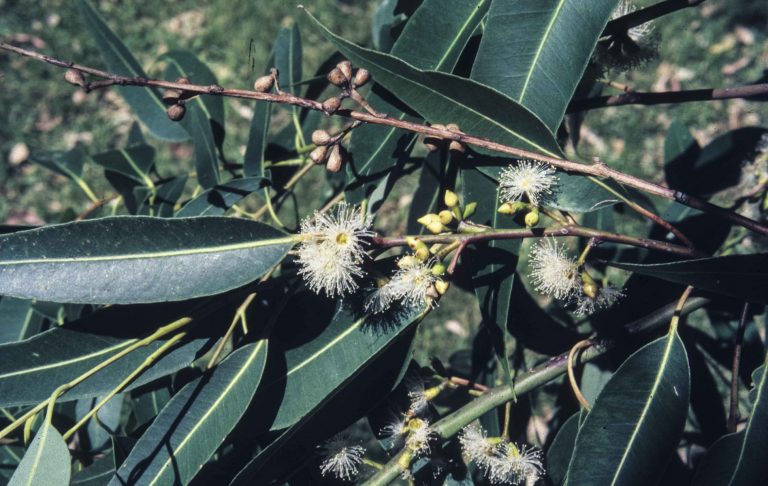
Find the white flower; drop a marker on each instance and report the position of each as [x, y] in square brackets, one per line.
[409, 285]
[477, 447]
[419, 434]
[516, 465]
[553, 272]
[341, 460]
[637, 33]
[533, 179]
[396, 427]
[331, 255]
[606, 297]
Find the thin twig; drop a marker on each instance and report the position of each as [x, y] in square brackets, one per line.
[642, 16]
[584, 344]
[598, 170]
[733, 409]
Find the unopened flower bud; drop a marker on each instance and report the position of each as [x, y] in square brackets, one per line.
[75, 77]
[456, 147]
[532, 218]
[428, 219]
[442, 287]
[452, 127]
[171, 96]
[445, 216]
[469, 209]
[335, 159]
[183, 80]
[321, 137]
[361, 77]
[319, 154]
[336, 77]
[407, 261]
[511, 207]
[346, 69]
[413, 242]
[450, 198]
[436, 227]
[264, 84]
[176, 112]
[438, 269]
[589, 286]
[421, 254]
[331, 105]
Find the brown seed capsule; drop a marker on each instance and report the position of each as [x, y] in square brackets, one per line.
[264, 84]
[321, 137]
[335, 159]
[456, 147]
[361, 77]
[452, 127]
[318, 155]
[171, 96]
[183, 80]
[73, 76]
[346, 68]
[176, 112]
[337, 78]
[331, 105]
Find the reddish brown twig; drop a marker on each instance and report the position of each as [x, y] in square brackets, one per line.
[733, 409]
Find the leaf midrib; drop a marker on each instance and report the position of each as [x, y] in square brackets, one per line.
[540, 49]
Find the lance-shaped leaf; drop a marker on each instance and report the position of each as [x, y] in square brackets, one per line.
[217, 200]
[144, 101]
[45, 462]
[741, 276]
[636, 422]
[97, 474]
[204, 120]
[127, 260]
[32, 369]
[377, 148]
[18, 320]
[740, 458]
[133, 162]
[160, 200]
[445, 98]
[536, 52]
[559, 452]
[195, 422]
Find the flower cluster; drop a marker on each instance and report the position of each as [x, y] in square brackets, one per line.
[501, 461]
[341, 459]
[409, 285]
[332, 252]
[533, 179]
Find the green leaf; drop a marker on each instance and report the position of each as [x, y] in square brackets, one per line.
[677, 141]
[140, 260]
[444, 98]
[106, 422]
[204, 120]
[69, 163]
[287, 56]
[217, 200]
[315, 370]
[377, 148]
[31, 370]
[160, 199]
[636, 422]
[97, 474]
[751, 464]
[717, 467]
[46, 462]
[195, 422]
[133, 162]
[536, 52]
[18, 320]
[741, 276]
[144, 101]
[559, 452]
[253, 161]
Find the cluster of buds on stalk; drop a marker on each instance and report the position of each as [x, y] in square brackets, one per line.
[447, 220]
[329, 150]
[175, 100]
[349, 80]
[434, 144]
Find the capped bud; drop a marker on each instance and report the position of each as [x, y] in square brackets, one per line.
[442, 287]
[589, 286]
[532, 218]
[321, 137]
[421, 254]
[469, 210]
[511, 207]
[408, 261]
[435, 248]
[436, 227]
[438, 126]
[432, 293]
[413, 242]
[73, 76]
[336, 77]
[335, 159]
[445, 216]
[171, 96]
[450, 198]
[438, 269]
[331, 105]
[176, 112]
[264, 84]
[319, 154]
[361, 77]
[346, 69]
[428, 219]
[452, 127]
[456, 147]
[183, 80]
[433, 392]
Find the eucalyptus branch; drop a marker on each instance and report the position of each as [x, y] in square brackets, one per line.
[666, 97]
[557, 231]
[597, 169]
[452, 423]
[644, 15]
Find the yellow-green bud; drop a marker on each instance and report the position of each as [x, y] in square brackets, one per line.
[428, 219]
[438, 269]
[511, 207]
[413, 242]
[469, 210]
[407, 261]
[442, 287]
[450, 199]
[404, 461]
[422, 254]
[436, 227]
[589, 286]
[445, 216]
[532, 218]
